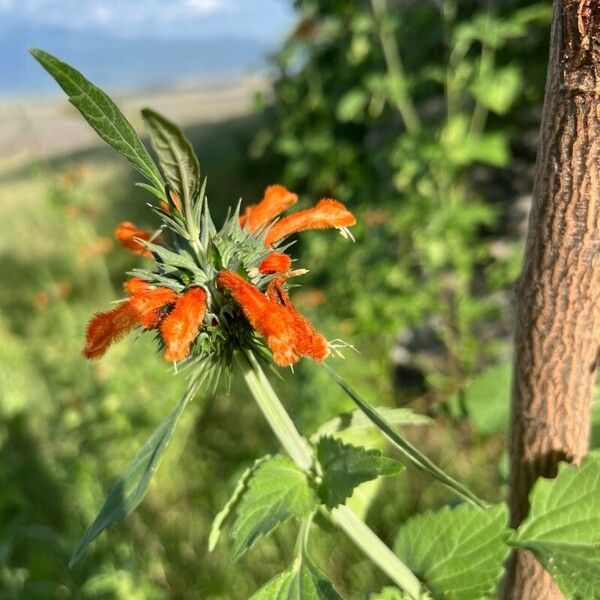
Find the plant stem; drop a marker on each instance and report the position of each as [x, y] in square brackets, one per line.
[404, 446]
[399, 84]
[364, 537]
[299, 450]
[274, 412]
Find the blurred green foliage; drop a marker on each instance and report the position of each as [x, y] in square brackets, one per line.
[409, 112]
[414, 115]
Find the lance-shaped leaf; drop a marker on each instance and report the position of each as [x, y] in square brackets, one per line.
[344, 467]
[302, 581]
[457, 552]
[238, 492]
[103, 115]
[175, 155]
[277, 491]
[130, 490]
[356, 420]
[563, 527]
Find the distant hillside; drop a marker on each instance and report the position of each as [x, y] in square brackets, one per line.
[119, 62]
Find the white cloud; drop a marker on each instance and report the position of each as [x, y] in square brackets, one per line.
[204, 7]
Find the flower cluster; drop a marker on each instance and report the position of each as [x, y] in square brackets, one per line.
[210, 292]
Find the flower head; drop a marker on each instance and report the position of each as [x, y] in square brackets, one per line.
[211, 291]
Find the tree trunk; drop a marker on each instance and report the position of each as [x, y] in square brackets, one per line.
[558, 295]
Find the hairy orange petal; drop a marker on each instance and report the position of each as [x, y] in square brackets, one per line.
[136, 285]
[127, 233]
[307, 340]
[180, 327]
[149, 305]
[175, 200]
[108, 327]
[269, 319]
[275, 200]
[275, 263]
[327, 213]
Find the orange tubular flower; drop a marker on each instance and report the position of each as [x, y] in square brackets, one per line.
[275, 263]
[275, 200]
[108, 327]
[180, 327]
[143, 308]
[307, 340]
[149, 305]
[129, 235]
[289, 335]
[271, 320]
[327, 213]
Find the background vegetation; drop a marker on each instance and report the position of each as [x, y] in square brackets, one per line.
[424, 121]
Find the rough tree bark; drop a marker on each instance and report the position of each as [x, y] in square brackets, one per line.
[558, 295]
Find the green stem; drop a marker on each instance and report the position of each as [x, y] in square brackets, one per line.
[404, 446]
[362, 535]
[299, 450]
[398, 80]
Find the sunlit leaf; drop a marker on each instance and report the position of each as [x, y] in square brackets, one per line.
[130, 490]
[457, 552]
[356, 420]
[563, 527]
[344, 467]
[302, 581]
[240, 489]
[102, 114]
[277, 491]
[175, 154]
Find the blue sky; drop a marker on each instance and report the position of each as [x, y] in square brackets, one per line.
[266, 20]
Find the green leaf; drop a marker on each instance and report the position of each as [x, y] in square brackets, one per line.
[393, 593]
[344, 467]
[176, 156]
[457, 552]
[356, 420]
[130, 490]
[238, 492]
[302, 581]
[498, 89]
[277, 491]
[487, 399]
[351, 105]
[102, 114]
[563, 527]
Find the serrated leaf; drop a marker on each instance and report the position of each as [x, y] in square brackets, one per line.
[302, 581]
[563, 527]
[344, 467]
[277, 491]
[102, 114]
[240, 488]
[458, 552]
[356, 420]
[175, 155]
[130, 490]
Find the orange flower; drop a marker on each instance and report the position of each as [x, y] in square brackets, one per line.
[289, 335]
[307, 340]
[108, 327]
[271, 320]
[327, 213]
[150, 305]
[275, 200]
[136, 285]
[275, 263]
[181, 325]
[129, 235]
